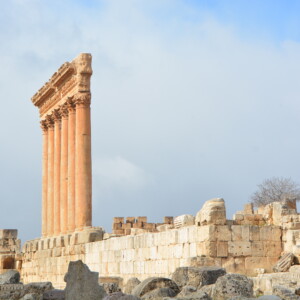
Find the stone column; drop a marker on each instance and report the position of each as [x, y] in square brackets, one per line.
[64, 170]
[83, 169]
[71, 165]
[57, 150]
[50, 176]
[44, 177]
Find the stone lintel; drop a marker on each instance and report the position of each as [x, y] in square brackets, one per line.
[70, 79]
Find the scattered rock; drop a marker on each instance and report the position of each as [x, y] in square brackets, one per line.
[54, 295]
[198, 295]
[37, 288]
[186, 290]
[232, 285]
[207, 289]
[197, 277]
[184, 220]
[212, 212]
[269, 297]
[284, 293]
[9, 277]
[284, 263]
[131, 284]
[82, 283]
[154, 283]
[120, 296]
[110, 287]
[32, 297]
[159, 293]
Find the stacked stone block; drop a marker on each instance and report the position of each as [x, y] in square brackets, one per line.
[136, 225]
[10, 248]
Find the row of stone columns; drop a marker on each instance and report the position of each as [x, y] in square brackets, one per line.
[67, 178]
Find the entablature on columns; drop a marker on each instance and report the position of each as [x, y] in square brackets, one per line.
[70, 81]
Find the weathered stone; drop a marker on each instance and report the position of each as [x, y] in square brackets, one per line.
[110, 287]
[54, 295]
[153, 283]
[159, 293]
[212, 212]
[131, 284]
[82, 283]
[197, 277]
[120, 296]
[284, 293]
[186, 290]
[10, 276]
[32, 297]
[269, 297]
[231, 285]
[284, 263]
[184, 220]
[36, 288]
[207, 289]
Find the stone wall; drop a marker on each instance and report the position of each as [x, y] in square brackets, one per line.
[238, 248]
[10, 250]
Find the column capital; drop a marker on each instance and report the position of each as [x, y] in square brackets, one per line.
[56, 115]
[82, 99]
[44, 126]
[50, 121]
[64, 111]
[71, 104]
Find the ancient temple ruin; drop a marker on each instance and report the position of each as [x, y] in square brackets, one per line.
[64, 106]
[251, 243]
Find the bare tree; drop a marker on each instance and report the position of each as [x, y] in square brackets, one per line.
[276, 189]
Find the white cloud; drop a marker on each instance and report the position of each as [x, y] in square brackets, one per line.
[119, 173]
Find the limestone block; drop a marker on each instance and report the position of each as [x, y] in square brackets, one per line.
[183, 235]
[284, 263]
[193, 249]
[270, 233]
[8, 233]
[164, 227]
[186, 250]
[206, 233]
[212, 212]
[118, 220]
[210, 249]
[223, 233]
[201, 261]
[252, 263]
[240, 232]
[142, 219]
[238, 217]
[272, 249]
[177, 251]
[222, 249]
[257, 248]
[254, 232]
[248, 208]
[56, 252]
[168, 220]
[184, 220]
[239, 248]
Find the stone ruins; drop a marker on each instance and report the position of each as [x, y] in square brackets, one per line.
[262, 243]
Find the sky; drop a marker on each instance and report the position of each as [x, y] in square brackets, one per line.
[191, 100]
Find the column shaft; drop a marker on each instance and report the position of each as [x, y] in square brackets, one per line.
[64, 172]
[57, 154]
[71, 166]
[50, 178]
[83, 169]
[44, 178]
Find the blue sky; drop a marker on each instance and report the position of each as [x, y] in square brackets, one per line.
[190, 100]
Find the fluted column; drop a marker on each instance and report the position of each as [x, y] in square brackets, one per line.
[71, 165]
[83, 164]
[44, 177]
[64, 170]
[50, 176]
[57, 149]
